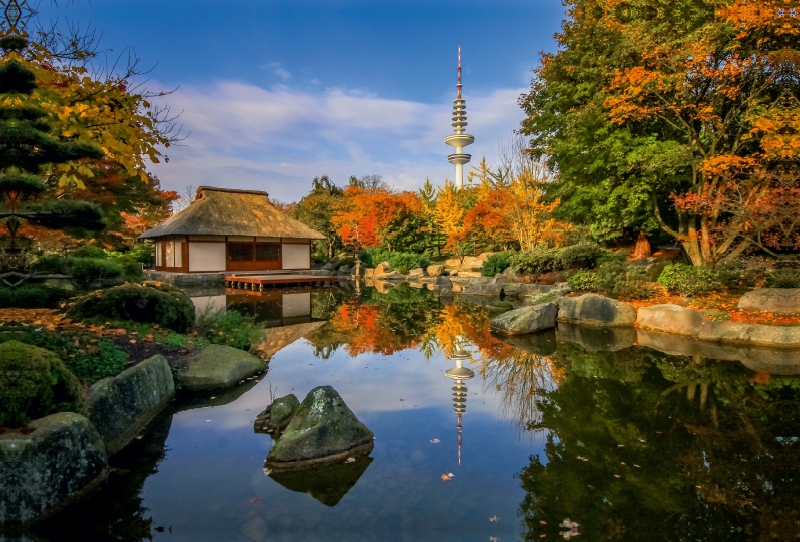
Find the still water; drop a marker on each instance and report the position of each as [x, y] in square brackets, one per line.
[557, 439]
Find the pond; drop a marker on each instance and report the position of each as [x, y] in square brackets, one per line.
[550, 438]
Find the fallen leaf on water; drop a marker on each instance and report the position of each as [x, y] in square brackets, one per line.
[543, 522]
[494, 538]
[255, 500]
[351, 460]
[617, 476]
[133, 341]
[451, 475]
[445, 478]
[493, 518]
[435, 441]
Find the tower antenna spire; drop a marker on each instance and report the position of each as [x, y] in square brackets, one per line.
[458, 86]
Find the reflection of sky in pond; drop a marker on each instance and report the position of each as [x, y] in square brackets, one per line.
[622, 439]
[206, 486]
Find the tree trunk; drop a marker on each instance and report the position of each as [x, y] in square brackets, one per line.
[642, 249]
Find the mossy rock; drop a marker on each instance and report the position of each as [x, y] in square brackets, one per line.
[34, 382]
[216, 367]
[322, 427]
[277, 416]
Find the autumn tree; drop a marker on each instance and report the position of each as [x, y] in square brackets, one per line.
[674, 115]
[316, 210]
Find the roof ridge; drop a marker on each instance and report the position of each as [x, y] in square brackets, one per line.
[234, 190]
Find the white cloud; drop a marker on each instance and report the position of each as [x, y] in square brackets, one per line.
[279, 139]
[278, 70]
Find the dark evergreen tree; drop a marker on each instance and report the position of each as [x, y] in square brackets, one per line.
[26, 148]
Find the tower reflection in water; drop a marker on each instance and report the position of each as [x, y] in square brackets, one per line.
[459, 373]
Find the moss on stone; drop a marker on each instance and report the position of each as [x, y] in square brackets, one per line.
[34, 382]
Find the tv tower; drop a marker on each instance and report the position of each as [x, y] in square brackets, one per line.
[459, 139]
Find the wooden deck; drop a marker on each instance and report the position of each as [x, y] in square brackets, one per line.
[260, 282]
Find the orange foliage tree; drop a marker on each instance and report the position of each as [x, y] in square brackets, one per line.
[696, 107]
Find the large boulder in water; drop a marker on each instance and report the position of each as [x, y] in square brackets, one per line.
[323, 428]
[216, 367]
[526, 320]
[595, 310]
[59, 460]
[277, 416]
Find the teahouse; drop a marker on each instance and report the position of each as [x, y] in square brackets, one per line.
[231, 230]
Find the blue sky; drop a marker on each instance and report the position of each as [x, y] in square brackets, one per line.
[275, 92]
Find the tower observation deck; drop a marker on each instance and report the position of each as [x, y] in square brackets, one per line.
[459, 139]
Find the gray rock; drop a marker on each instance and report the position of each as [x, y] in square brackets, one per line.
[471, 263]
[511, 274]
[216, 367]
[483, 256]
[777, 300]
[122, 406]
[672, 319]
[327, 267]
[59, 462]
[653, 270]
[443, 283]
[453, 262]
[526, 320]
[391, 275]
[434, 270]
[490, 289]
[548, 297]
[383, 268]
[596, 310]
[323, 427]
[751, 334]
[276, 416]
[417, 273]
[344, 270]
[597, 339]
[321, 273]
[522, 290]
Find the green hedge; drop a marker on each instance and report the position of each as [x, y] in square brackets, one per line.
[32, 296]
[34, 383]
[151, 302]
[688, 280]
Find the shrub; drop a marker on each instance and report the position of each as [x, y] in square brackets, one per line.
[89, 252]
[151, 302]
[88, 270]
[782, 278]
[538, 261]
[584, 281]
[229, 328]
[51, 263]
[688, 280]
[349, 262]
[32, 296]
[581, 256]
[497, 263]
[624, 281]
[34, 382]
[131, 267]
[403, 262]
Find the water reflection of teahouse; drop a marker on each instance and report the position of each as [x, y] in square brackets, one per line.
[459, 373]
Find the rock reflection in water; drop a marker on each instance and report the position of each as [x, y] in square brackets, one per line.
[326, 483]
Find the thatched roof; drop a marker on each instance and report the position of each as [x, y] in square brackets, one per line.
[225, 211]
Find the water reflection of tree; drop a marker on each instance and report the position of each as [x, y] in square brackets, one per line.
[373, 322]
[644, 446]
